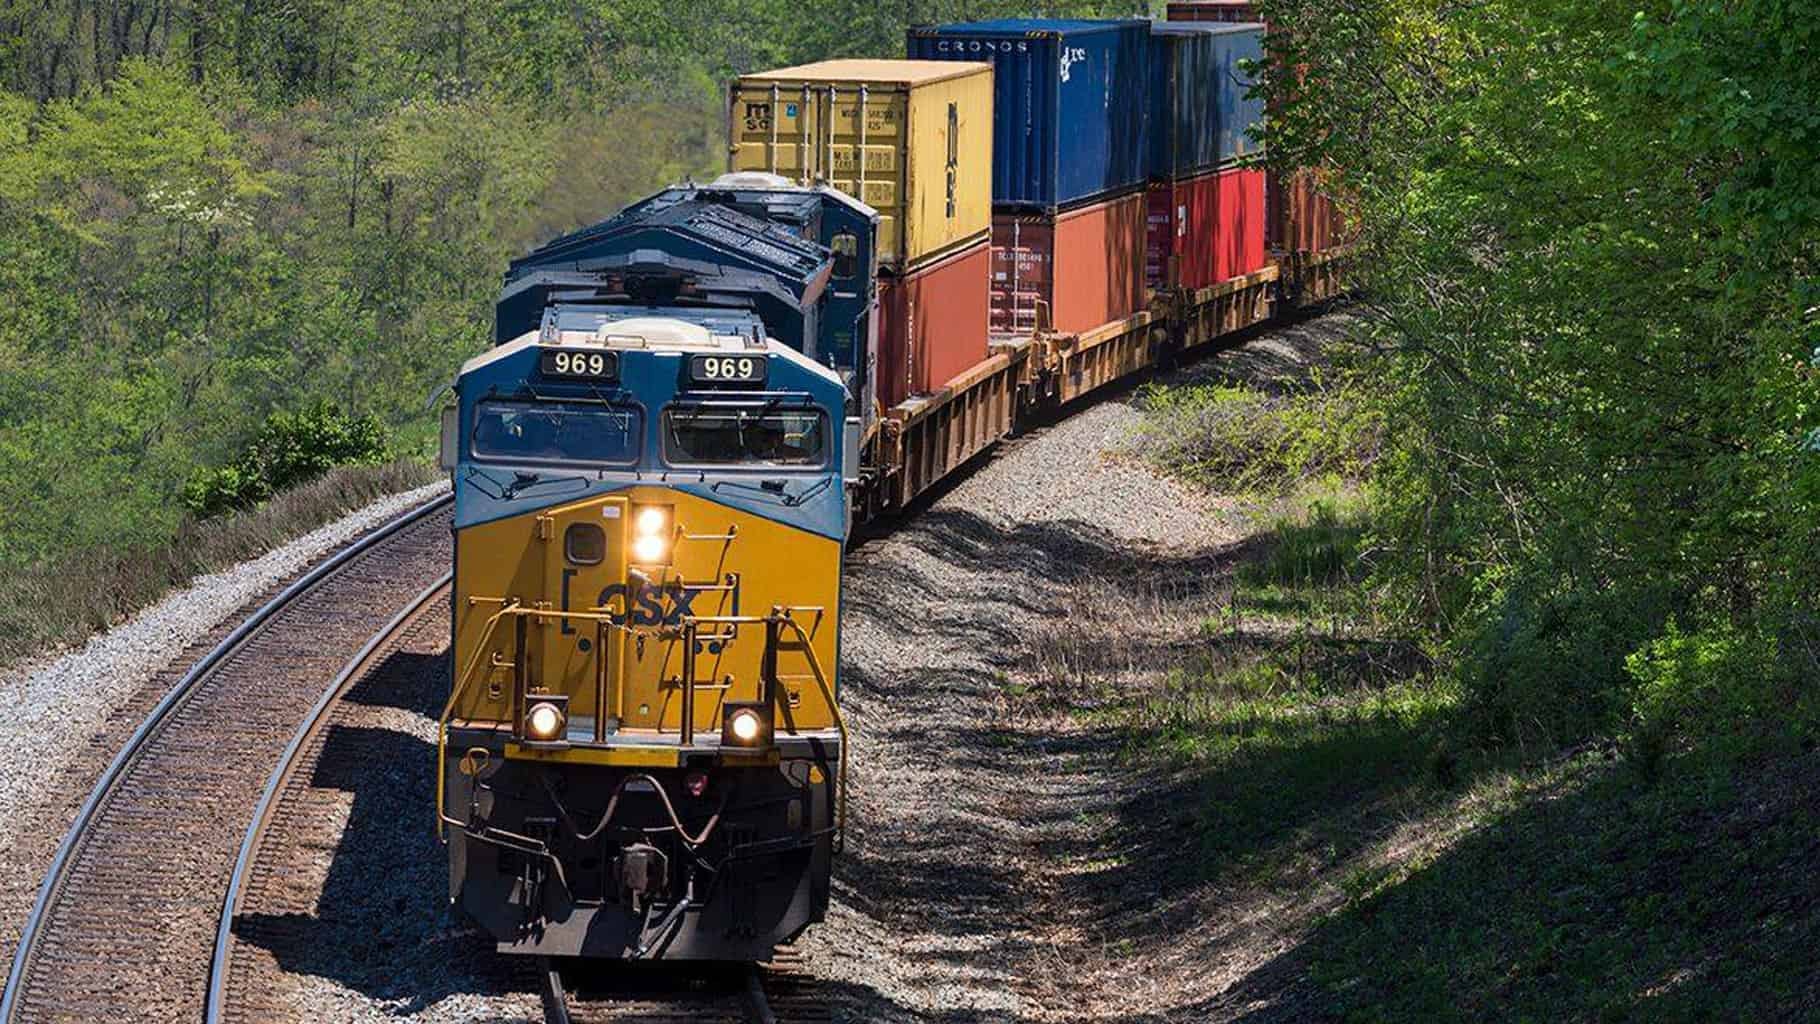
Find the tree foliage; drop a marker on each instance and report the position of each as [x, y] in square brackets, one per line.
[1589, 235]
[212, 213]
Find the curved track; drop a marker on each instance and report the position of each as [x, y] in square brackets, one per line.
[280, 797]
[125, 922]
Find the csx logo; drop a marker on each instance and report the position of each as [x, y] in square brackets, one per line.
[645, 604]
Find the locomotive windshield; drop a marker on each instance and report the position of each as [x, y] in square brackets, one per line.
[566, 432]
[753, 434]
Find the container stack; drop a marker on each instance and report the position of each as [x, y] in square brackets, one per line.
[1071, 160]
[1207, 212]
[913, 140]
[1301, 215]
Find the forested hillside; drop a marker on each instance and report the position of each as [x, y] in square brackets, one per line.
[213, 212]
[1590, 237]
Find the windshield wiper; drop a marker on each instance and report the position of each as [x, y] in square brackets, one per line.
[775, 490]
[521, 482]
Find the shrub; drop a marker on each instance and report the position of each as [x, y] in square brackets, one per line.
[1718, 685]
[1237, 438]
[291, 448]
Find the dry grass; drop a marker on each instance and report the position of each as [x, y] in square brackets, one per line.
[67, 599]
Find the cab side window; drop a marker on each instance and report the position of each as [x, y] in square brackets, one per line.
[846, 255]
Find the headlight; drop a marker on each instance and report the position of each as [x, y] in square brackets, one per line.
[544, 722]
[651, 534]
[746, 725]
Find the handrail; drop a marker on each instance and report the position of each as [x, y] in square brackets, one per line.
[840, 724]
[782, 615]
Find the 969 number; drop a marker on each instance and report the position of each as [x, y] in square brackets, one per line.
[562, 363]
[591, 364]
[727, 369]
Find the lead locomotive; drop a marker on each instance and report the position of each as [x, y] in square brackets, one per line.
[641, 754]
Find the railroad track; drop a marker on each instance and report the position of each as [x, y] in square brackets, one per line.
[780, 992]
[126, 921]
[286, 818]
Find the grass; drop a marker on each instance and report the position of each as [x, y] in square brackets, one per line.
[1292, 744]
[67, 600]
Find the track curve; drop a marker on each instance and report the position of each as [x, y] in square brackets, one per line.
[124, 923]
[308, 738]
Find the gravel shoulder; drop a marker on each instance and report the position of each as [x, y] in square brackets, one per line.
[987, 875]
[63, 716]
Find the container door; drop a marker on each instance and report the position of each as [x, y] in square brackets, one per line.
[585, 564]
[1023, 268]
[863, 137]
[774, 129]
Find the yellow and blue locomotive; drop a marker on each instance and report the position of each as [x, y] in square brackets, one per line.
[641, 753]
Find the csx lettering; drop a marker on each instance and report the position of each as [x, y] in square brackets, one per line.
[650, 604]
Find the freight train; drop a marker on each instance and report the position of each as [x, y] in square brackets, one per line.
[689, 404]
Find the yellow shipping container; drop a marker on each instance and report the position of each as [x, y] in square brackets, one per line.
[924, 128]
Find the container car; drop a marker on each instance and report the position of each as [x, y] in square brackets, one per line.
[1201, 112]
[1071, 104]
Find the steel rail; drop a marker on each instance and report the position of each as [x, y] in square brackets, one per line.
[274, 786]
[754, 1004]
[54, 876]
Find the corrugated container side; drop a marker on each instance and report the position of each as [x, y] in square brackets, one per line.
[919, 152]
[1308, 219]
[1239, 112]
[1070, 104]
[932, 323]
[1184, 100]
[1210, 10]
[1179, 245]
[1073, 270]
[1238, 237]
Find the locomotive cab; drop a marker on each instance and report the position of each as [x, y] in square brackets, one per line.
[641, 750]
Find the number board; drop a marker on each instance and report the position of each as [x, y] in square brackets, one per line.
[727, 369]
[579, 364]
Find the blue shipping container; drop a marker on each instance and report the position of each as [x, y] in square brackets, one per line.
[1070, 103]
[1199, 111]
[1184, 99]
[1239, 114]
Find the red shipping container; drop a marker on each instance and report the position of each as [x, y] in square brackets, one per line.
[1178, 250]
[1238, 238]
[1211, 10]
[1206, 229]
[932, 323]
[1070, 271]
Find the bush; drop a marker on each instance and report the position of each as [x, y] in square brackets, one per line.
[291, 448]
[1237, 438]
[1717, 685]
